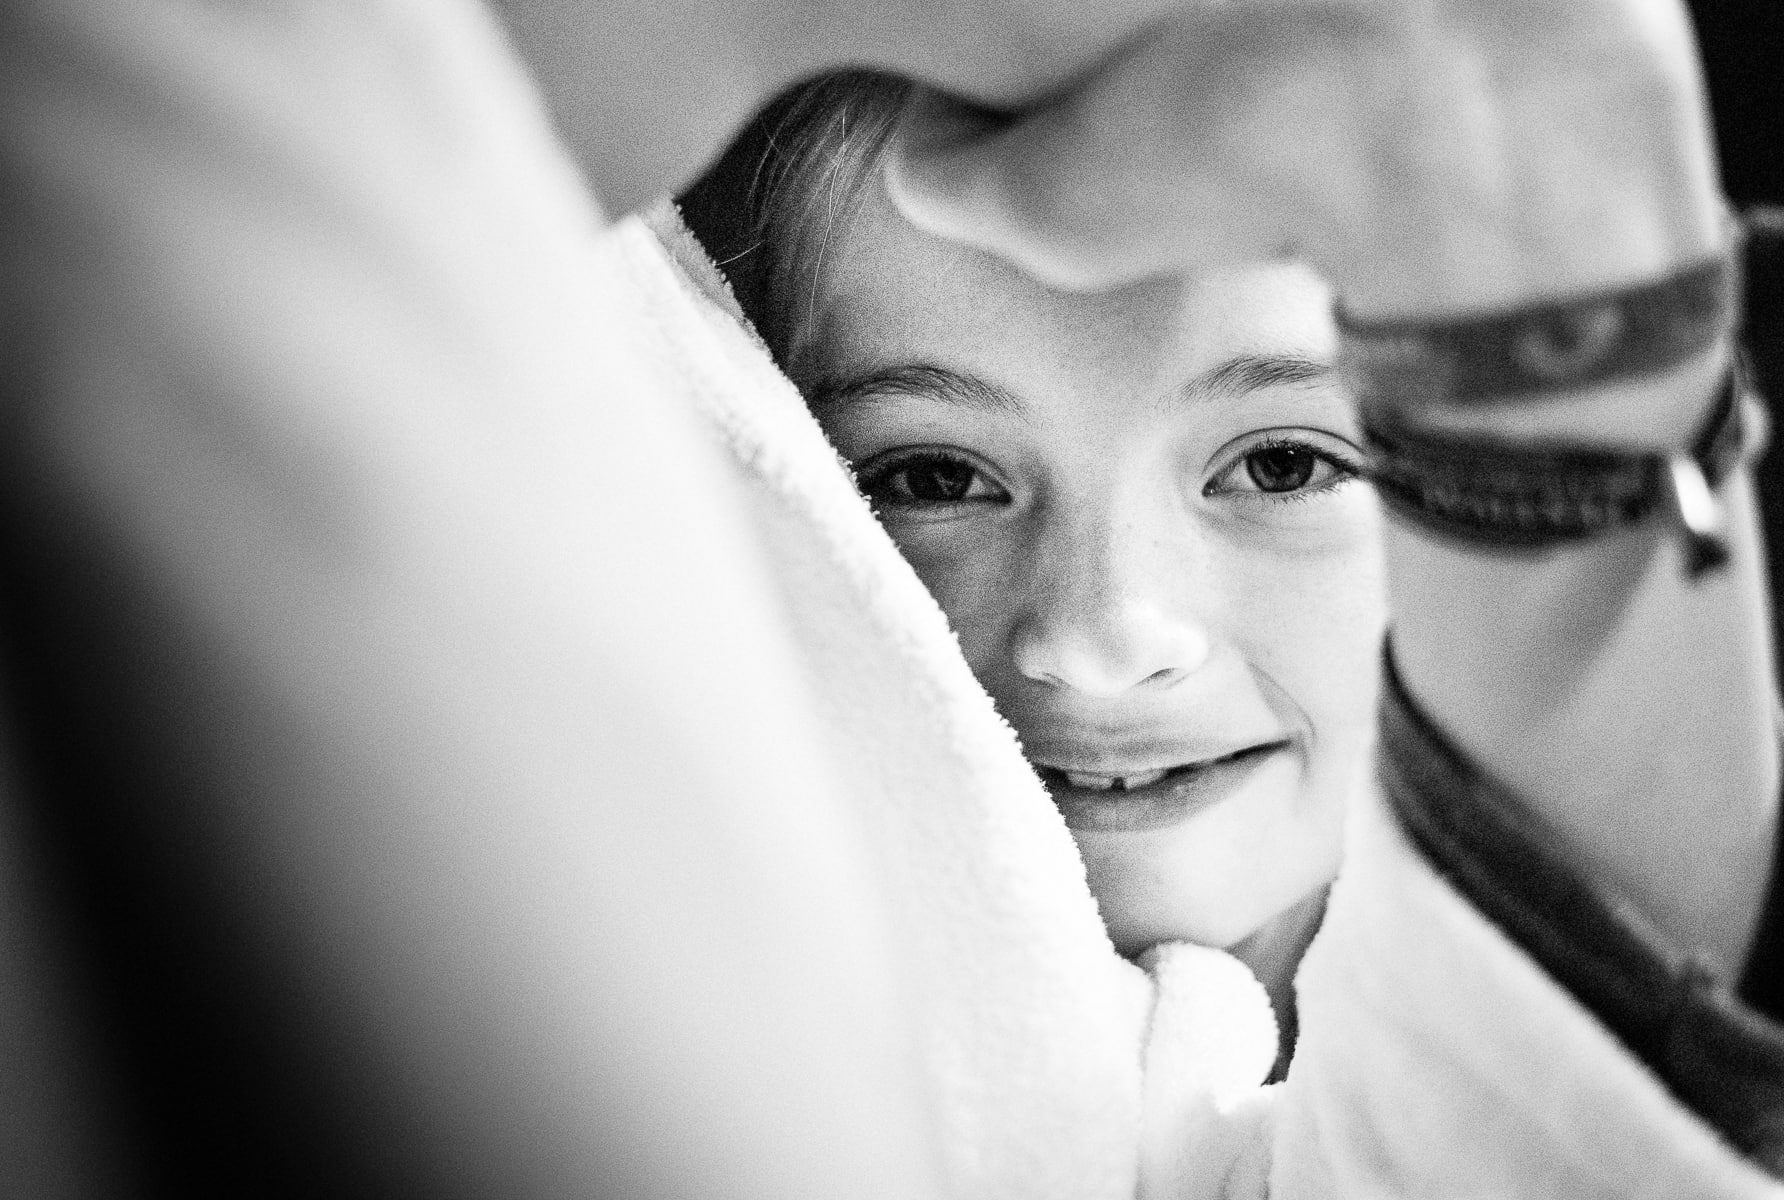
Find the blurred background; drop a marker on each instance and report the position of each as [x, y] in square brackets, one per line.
[1743, 48]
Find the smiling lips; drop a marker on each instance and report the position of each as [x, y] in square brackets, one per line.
[1111, 783]
[1155, 798]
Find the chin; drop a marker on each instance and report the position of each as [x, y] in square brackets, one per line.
[1135, 932]
[1227, 872]
[1146, 902]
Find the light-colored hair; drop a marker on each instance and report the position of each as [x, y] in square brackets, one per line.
[768, 208]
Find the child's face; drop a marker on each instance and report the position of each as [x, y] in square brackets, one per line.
[1138, 511]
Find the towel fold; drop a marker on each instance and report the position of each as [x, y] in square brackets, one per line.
[1034, 1029]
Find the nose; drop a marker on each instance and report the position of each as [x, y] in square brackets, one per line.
[1112, 609]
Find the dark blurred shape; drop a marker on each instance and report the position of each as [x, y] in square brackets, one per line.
[1765, 346]
[1763, 986]
[1743, 43]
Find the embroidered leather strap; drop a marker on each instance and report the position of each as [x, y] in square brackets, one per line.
[1525, 495]
[1531, 496]
[1564, 345]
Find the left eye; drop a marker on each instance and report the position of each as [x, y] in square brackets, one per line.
[926, 479]
[1282, 467]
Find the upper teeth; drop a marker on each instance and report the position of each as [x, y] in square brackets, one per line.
[1105, 783]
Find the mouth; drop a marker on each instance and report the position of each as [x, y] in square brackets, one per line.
[1150, 799]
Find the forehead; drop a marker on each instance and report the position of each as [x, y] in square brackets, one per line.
[889, 295]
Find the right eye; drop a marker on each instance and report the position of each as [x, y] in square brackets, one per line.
[927, 479]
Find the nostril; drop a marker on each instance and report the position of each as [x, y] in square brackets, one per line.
[1109, 640]
[1093, 663]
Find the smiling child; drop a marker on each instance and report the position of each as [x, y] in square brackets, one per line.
[1139, 510]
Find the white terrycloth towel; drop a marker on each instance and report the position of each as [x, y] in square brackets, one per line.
[1034, 1026]
[1435, 1059]
[354, 450]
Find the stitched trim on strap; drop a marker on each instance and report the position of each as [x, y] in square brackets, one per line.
[1561, 345]
[1525, 495]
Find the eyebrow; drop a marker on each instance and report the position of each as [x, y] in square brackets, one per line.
[930, 383]
[1247, 373]
[1236, 377]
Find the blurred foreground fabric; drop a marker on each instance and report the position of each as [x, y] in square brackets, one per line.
[384, 663]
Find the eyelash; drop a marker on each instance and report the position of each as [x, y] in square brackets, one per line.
[877, 476]
[1343, 469]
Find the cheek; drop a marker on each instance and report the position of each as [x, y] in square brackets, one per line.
[961, 564]
[1311, 615]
